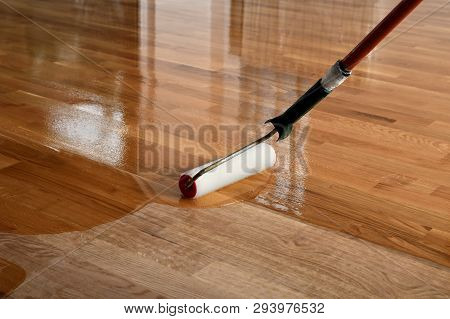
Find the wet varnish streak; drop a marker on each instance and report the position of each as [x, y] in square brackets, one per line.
[43, 191]
[11, 276]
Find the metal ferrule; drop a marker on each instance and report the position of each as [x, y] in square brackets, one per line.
[334, 77]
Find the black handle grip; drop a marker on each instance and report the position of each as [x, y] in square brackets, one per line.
[283, 123]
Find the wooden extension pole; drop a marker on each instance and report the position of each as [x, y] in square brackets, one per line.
[400, 12]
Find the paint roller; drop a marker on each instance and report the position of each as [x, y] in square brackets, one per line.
[258, 156]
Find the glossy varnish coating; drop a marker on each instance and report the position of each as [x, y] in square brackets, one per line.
[88, 206]
[11, 276]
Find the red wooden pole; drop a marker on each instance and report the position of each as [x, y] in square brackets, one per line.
[401, 11]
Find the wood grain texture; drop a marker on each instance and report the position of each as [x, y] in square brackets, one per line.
[234, 251]
[104, 103]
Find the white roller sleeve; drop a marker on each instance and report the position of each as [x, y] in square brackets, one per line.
[248, 163]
